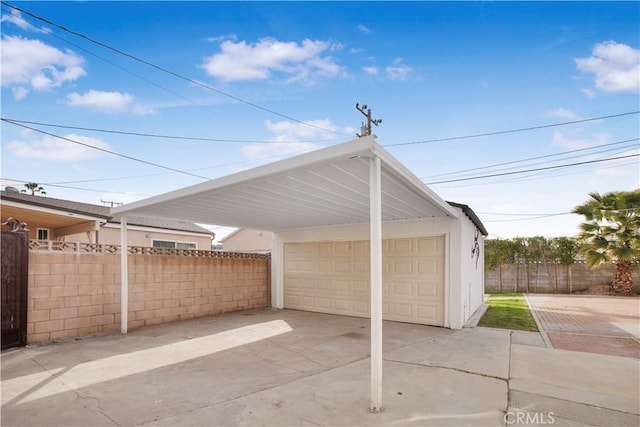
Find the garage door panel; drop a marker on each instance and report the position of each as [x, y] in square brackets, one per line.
[400, 266]
[430, 266]
[360, 266]
[323, 302]
[361, 248]
[427, 289]
[401, 311]
[342, 305]
[401, 289]
[333, 277]
[324, 284]
[361, 308]
[339, 266]
[428, 313]
[429, 245]
[341, 285]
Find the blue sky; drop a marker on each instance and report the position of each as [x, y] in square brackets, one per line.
[287, 76]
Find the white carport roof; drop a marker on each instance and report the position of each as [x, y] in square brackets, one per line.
[325, 187]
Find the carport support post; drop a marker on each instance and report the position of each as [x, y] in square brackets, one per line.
[124, 275]
[375, 243]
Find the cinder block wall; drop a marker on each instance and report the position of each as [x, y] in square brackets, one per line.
[78, 294]
[550, 278]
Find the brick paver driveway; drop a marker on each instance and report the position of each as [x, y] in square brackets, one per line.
[590, 323]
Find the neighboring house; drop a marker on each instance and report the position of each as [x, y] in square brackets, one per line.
[245, 240]
[48, 218]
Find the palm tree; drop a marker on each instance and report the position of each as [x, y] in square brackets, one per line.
[34, 187]
[611, 233]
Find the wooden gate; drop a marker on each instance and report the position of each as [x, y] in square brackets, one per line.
[15, 268]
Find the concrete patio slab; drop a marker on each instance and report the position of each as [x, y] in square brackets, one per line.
[484, 351]
[592, 379]
[285, 367]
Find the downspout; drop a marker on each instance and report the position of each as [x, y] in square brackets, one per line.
[124, 276]
[375, 243]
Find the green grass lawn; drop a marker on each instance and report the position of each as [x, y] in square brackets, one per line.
[508, 311]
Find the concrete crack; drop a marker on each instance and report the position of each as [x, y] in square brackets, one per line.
[448, 367]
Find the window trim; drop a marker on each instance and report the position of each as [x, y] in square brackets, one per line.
[175, 244]
[48, 233]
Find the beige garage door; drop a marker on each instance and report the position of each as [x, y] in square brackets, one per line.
[333, 277]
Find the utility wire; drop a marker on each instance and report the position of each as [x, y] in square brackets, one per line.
[167, 71]
[537, 177]
[77, 46]
[531, 158]
[105, 150]
[533, 170]
[512, 130]
[153, 135]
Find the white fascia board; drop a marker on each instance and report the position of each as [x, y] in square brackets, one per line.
[398, 168]
[325, 155]
[58, 212]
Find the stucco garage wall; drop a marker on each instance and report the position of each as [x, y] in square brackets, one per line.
[472, 263]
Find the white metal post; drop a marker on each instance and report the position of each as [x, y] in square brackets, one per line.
[124, 276]
[375, 206]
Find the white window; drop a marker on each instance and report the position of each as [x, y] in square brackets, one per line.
[170, 244]
[42, 233]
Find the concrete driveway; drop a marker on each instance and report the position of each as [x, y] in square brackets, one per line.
[285, 367]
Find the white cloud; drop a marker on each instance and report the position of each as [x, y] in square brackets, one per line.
[28, 63]
[364, 29]
[242, 61]
[19, 92]
[565, 114]
[398, 71]
[576, 143]
[288, 131]
[110, 102]
[616, 67]
[370, 70]
[223, 37]
[55, 149]
[589, 93]
[15, 18]
[289, 139]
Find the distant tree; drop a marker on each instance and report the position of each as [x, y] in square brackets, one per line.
[34, 188]
[611, 233]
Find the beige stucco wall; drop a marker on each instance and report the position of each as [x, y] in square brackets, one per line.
[78, 294]
[110, 235]
[248, 240]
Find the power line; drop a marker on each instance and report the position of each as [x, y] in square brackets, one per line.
[536, 176]
[512, 130]
[526, 219]
[48, 184]
[167, 71]
[153, 135]
[533, 170]
[77, 46]
[105, 150]
[531, 158]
